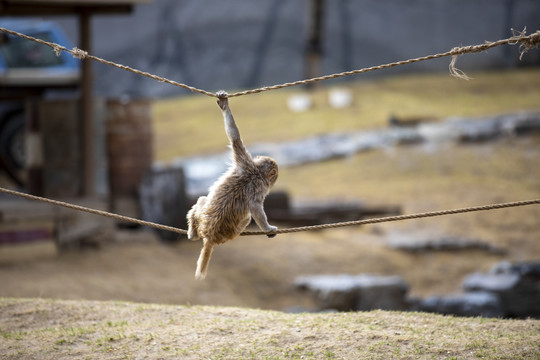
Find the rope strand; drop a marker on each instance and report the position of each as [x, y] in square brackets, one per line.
[92, 211]
[280, 231]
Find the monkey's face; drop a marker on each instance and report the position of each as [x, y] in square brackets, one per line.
[268, 168]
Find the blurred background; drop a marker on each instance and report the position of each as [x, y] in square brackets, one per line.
[402, 140]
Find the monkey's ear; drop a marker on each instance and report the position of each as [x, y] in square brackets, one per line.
[272, 174]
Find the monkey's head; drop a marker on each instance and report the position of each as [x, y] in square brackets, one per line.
[268, 168]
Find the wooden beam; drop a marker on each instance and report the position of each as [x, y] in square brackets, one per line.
[87, 113]
[35, 10]
[314, 40]
[66, 7]
[34, 148]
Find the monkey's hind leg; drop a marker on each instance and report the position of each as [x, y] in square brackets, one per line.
[193, 219]
[204, 260]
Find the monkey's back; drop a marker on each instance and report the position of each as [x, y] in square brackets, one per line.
[226, 212]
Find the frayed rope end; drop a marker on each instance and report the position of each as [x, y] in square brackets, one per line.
[58, 50]
[531, 42]
[455, 72]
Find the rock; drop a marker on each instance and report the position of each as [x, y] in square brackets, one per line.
[516, 285]
[449, 243]
[356, 292]
[490, 282]
[479, 303]
[163, 200]
[202, 171]
[340, 98]
[299, 103]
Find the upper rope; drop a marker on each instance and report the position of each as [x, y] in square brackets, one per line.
[526, 42]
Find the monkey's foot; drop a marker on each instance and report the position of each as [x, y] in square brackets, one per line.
[271, 231]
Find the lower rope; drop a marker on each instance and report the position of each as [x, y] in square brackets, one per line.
[401, 217]
[281, 231]
[93, 211]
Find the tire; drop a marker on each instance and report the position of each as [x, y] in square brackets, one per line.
[12, 141]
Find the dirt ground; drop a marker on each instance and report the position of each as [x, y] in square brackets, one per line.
[258, 272]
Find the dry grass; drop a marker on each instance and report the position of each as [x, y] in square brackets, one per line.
[47, 329]
[192, 125]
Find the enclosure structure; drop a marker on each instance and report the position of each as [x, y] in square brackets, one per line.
[83, 10]
[63, 129]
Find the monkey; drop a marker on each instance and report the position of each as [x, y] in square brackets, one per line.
[234, 198]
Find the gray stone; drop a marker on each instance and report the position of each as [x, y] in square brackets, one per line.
[202, 171]
[490, 282]
[478, 303]
[163, 200]
[448, 243]
[516, 285]
[356, 292]
[523, 269]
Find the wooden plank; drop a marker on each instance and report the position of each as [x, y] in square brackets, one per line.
[25, 236]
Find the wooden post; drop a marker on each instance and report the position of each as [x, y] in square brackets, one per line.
[87, 114]
[314, 40]
[34, 148]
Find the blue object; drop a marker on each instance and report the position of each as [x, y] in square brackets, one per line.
[18, 53]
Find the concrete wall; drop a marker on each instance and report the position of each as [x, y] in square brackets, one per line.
[239, 44]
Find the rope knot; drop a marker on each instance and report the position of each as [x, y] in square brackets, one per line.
[78, 53]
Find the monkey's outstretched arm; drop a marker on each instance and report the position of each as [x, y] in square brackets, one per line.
[240, 153]
[258, 214]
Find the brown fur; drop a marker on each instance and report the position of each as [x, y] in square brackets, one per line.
[234, 198]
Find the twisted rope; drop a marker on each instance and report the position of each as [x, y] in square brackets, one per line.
[526, 42]
[280, 231]
[81, 54]
[400, 217]
[93, 211]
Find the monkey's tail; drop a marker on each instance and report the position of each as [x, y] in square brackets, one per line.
[204, 260]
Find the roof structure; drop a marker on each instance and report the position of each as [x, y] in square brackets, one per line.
[63, 7]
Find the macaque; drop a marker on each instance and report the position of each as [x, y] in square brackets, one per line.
[234, 198]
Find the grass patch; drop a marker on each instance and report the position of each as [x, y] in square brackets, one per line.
[225, 333]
